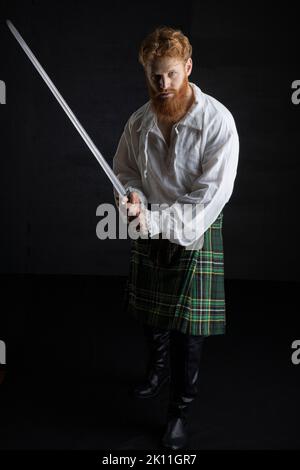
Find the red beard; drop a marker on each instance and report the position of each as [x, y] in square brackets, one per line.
[171, 110]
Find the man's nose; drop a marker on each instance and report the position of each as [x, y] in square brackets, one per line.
[164, 83]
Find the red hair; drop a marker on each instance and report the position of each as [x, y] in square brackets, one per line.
[164, 41]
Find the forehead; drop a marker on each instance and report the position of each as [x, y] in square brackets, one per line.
[164, 64]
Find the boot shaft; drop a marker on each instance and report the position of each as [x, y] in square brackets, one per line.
[185, 357]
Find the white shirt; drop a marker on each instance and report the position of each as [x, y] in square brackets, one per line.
[199, 167]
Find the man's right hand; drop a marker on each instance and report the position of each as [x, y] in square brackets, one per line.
[133, 205]
[134, 208]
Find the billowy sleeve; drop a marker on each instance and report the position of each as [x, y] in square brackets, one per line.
[125, 165]
[185, 221]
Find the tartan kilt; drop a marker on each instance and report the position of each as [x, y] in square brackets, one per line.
[173, 288]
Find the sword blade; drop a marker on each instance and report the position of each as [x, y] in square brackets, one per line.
[109, 172]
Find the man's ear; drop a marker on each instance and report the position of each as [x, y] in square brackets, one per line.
[189, 66]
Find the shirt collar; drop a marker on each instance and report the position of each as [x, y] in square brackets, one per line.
[193, 118]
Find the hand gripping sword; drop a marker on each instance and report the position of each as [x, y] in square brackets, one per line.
[109, 172]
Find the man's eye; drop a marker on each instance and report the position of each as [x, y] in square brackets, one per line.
[172, 74]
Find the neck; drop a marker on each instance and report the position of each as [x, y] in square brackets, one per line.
[190, 96]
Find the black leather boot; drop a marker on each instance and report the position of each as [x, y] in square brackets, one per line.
[158, 372]
[185, 360]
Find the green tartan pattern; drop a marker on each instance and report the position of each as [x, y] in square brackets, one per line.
[173, 288]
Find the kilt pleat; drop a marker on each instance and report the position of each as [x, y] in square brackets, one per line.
[173, 288]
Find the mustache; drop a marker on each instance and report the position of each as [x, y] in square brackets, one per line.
[160, 93]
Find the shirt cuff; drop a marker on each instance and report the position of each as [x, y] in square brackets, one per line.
[152, 222]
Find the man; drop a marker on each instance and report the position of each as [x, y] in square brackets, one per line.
[180, 148]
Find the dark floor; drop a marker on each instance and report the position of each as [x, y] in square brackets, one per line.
[72, 356]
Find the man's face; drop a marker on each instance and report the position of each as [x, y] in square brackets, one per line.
[167, 80]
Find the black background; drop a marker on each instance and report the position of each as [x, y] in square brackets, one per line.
[245, 56]
[71, 352]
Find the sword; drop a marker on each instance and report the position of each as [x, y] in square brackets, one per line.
[109, 172]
